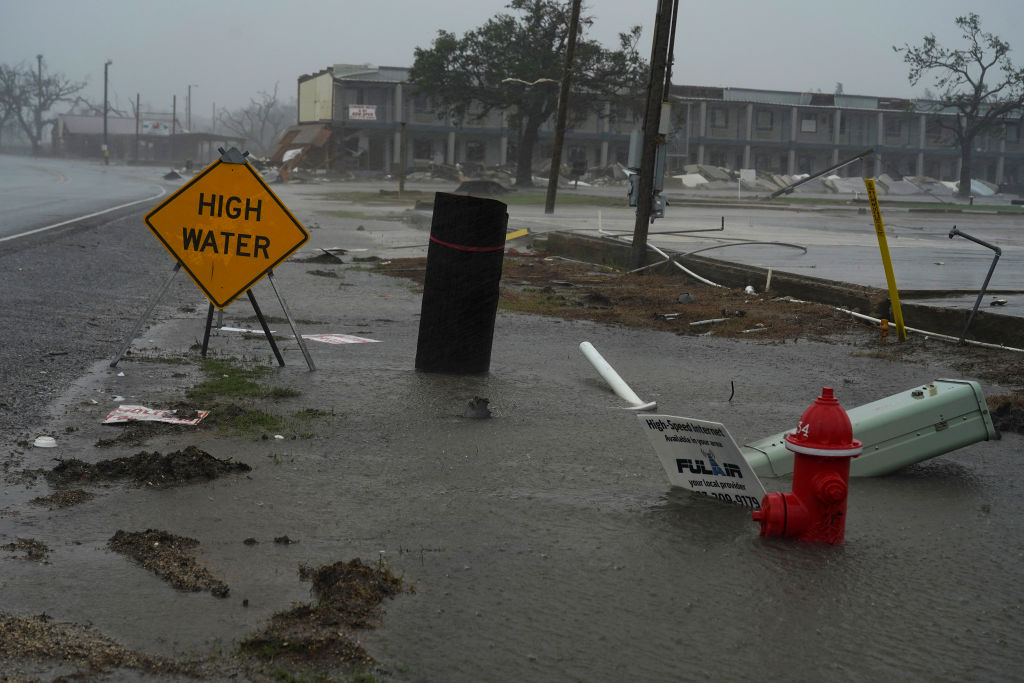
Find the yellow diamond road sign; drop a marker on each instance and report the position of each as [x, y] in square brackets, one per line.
[227, 229]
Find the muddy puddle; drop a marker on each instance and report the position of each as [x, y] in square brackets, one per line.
[544, 542]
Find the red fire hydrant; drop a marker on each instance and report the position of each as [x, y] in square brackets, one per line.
[822, 445]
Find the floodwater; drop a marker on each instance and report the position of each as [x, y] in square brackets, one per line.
[545, 543]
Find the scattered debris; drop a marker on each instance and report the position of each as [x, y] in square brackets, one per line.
[33, 549]
[63, 499]
[339, 339]
[476, 408]
[1008, 418]
[997, 302]
[151, 469]
[686, 298]
[172, 175]
[284, 540]
[169, 557]
[709, 321]
[45, 442]
[485, 187]
[38, 638]
[126, 413]
[319, 637]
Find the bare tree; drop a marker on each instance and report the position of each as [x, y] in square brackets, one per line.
[27, 95]
[260, 123]
[979, 84]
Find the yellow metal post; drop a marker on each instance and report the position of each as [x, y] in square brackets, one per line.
[883, 246]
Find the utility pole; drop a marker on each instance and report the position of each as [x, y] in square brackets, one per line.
[563, 108]
[39, 102]
[652, 120]
[106, 150]
[174, 121]
[188, 107]
[137, 122]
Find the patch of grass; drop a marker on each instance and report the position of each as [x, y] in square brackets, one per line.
[245, 420]
[227, 380]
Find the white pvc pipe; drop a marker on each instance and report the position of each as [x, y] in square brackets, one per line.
[617, 384]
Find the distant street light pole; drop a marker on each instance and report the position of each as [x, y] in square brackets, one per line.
[106, 150]
[188, 107]
[563, 108]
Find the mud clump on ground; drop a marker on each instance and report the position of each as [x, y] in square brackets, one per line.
[1008, 417]
[33, 549]
[170, 557]
[34, 639]
[63, 499]
[150, 469]
[318, 638]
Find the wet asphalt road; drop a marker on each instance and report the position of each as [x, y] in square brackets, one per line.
[545, 543]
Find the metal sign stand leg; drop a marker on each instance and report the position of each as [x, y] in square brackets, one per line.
[288, 314]
[145, 316]
[206, 333]
[266, 329]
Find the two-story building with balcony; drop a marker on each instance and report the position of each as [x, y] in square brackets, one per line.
[360, 118]
[793, 132]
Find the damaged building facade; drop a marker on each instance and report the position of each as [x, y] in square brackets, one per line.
[359, 118]
[354, 117]
[792, 132]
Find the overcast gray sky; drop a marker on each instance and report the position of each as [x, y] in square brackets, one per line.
[231, 49]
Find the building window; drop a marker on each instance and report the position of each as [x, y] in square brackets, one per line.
[719, 117]
[893, 127]
[422, 105]
[809, 124]
[765, 119]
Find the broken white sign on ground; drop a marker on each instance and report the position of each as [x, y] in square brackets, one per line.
[339, 339]
[142, 413]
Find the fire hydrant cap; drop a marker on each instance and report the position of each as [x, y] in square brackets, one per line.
[824, 429]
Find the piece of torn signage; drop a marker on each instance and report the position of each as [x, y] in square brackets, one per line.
[701, 456]
[339, 339]
[142, 413]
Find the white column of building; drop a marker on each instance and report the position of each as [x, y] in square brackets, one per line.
[396, 145]
[881, 141]
[837, 120]
[921, 140]
[750, 134]
[451, 148]
[794, 115]
[703, 131]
